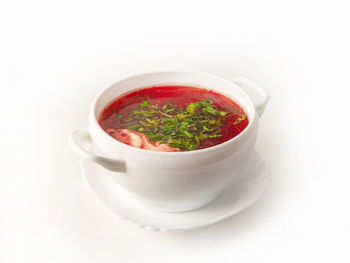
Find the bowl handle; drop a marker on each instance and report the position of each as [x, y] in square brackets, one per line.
[80, 141]
[258, 95]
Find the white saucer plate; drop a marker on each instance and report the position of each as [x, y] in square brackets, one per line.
[238, 196]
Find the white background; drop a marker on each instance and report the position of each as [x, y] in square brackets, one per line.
[57, 55]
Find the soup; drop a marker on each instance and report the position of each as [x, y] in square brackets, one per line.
[173, 119]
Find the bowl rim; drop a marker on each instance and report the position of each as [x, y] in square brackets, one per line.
[93, 120]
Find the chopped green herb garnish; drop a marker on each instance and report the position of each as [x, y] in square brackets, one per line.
[243, 117]
[187, 133]
[186, 128]
[144, 104]
[155, 137]
[207, 129]
[210, 110]
[214, 136]
[203, 136]
[169, 128]
[191, 108]
[197, 139]
[181, 116]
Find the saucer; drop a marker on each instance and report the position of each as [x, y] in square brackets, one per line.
[238, 196]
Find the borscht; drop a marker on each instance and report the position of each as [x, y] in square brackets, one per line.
[173, 119]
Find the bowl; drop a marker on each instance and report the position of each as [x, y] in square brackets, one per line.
[173, 181]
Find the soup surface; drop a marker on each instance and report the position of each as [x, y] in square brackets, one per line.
[173, 119]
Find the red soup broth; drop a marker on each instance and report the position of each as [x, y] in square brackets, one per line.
[173, 118]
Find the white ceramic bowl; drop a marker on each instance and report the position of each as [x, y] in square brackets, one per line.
[173, 181]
